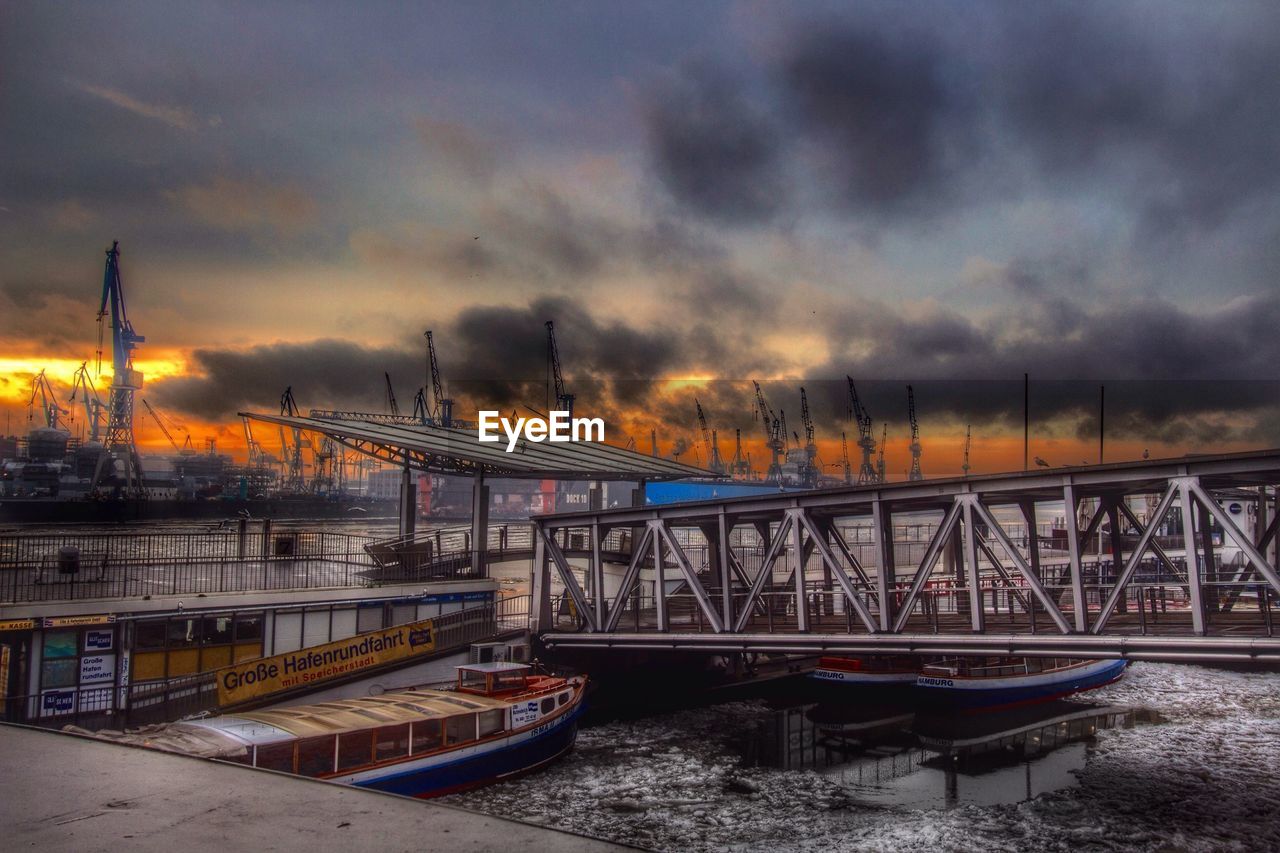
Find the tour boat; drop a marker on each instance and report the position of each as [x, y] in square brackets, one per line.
[498, 720]
[985, 683]
[869, 671]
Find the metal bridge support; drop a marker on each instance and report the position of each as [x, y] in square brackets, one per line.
[408, 501]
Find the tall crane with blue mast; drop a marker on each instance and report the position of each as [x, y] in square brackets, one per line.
[125, 381]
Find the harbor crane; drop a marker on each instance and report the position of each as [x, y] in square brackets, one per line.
[392, 407]
[775, 431]
[809, 465]
[968, 444]
[866, 443]
[442, 406]
[740, 467]
[82, 384]
[125, 381]
[49, 408]
[564, 400]
[884, 441]
[844, 457]
[165, 428]
[709, 441]
[914, 473]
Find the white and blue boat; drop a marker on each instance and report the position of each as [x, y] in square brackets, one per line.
[499, 720]
[987, 683]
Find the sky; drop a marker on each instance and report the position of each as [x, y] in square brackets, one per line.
[698, 194]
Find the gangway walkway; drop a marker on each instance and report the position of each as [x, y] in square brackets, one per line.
[826, 571]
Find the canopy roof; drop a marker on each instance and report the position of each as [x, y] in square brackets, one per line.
[460, 451]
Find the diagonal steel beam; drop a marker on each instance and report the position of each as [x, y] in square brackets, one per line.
[1135, 558]
[1079, 604]
[828, 556]
[1155, 546]
[1004, 575]
[659, 578]
[691, 578]
[931, 554]
[1253, 553]
[1019, 562]
[585, 610]
[977, 616]
[766, 571]
[854, 563]
[629, 578]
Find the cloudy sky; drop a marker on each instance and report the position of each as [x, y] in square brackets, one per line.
[698, 194]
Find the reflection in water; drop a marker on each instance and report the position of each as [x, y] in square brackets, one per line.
[892, 755]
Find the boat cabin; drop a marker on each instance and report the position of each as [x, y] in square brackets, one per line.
[497, 678]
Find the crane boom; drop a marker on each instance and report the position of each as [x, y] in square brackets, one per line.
[858, 413]
[442, 406]
[155, 416]
[392, 406]
[564, 400]
[709, 441]
[775, 433]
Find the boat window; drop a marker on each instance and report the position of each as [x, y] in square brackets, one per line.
[426, 736]
[548, 705]
[508, 681]
[460, 728]
[391, 742]
[275, 756]
[315, 756]
[491, 721]
[354, 749]
[563, 699]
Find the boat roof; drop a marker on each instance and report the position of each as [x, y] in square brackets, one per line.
[495, 666]
[336, 716]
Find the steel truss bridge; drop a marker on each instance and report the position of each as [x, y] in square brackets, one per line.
[1155, 560]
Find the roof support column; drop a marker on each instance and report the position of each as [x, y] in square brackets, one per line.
[408, 501]
[479, 524]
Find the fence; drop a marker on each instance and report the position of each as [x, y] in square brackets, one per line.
[67, 566]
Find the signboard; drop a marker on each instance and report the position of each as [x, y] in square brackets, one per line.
[453, 597]
[254, 679]
[54, 702]
[99, 641]
[17, 624]
[77, 621]
[96, 669]
[524, 713]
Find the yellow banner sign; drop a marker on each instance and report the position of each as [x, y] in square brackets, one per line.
[317, 664]
[17, 624]
[76, 621]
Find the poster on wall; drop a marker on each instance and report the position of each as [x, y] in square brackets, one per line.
[55, 702]
[97, 669]
[99, 641]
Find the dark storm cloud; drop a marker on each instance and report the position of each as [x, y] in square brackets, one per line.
[1169, 105]
[891, 127]
[322, 373]
[713, 151]
[1181, 105]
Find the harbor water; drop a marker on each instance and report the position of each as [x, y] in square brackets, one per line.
[1171, 757]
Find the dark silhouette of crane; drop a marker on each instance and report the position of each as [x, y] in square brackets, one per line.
[775, 431]
[884, 441]
[740, 467]
[859, 415]
[709, 441]
[844, 458]
[809, 466]
[393, 408]
[914, 474]
[564, 400]
[441, 410]
[968, 444]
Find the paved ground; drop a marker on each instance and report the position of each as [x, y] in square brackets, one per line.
[60, 792]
